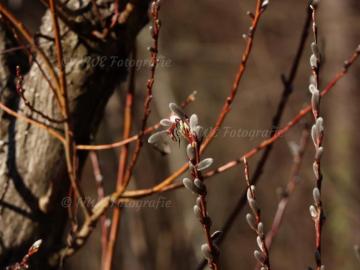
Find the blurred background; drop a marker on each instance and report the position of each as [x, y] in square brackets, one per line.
[200, 45]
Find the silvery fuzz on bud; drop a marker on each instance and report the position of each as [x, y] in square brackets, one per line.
[264, 4]
[260, 230]
[190, 151]
[205, 249]
[216, 235]
[197, 211]
[194, 120]
[200, 185]
[316, 196]
[251, 221]
[315, 50]
[313, 211]
[199, 132]
[253, 205]
[191, 186]
[204, 164]
[260, 243]
[313, 61]
[177, 110]
[165, 122]
[318, 153]
[156, 136]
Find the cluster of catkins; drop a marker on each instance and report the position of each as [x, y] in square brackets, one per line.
[180, 126]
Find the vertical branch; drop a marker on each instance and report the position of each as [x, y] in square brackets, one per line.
[261, 6]
[101, 194]
[154, 30]
[255, 223]
[123, 157]
[317, 134]
[298, 155]
[70, 149]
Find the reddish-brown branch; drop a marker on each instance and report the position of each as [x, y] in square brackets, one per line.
[239, 75]
[123, 157]
[298, 156]
[70, 150]
[257, 213]
[166, 184]
[133, 138]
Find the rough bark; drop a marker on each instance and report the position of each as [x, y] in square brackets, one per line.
[32, 161]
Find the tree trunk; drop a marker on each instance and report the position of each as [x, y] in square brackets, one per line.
[32, 161]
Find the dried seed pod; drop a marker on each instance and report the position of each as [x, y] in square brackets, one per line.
[316, 196]
[204, 164]
[197, 212]
[259, 256]
[251, 221]
[165, 122]
[194, 121]
[177, 110]
[190, 151]
[205, 249]
[313, 211]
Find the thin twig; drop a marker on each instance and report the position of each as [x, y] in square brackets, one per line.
[70, 150]
[33, 122]
[123, 157]
[187, 101]
[26, 34]
[255, 222]
[298, 154]
[317, 134]
[101, 194]
[167, 184]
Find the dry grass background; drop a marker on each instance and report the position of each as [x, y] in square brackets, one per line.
[203, 42]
